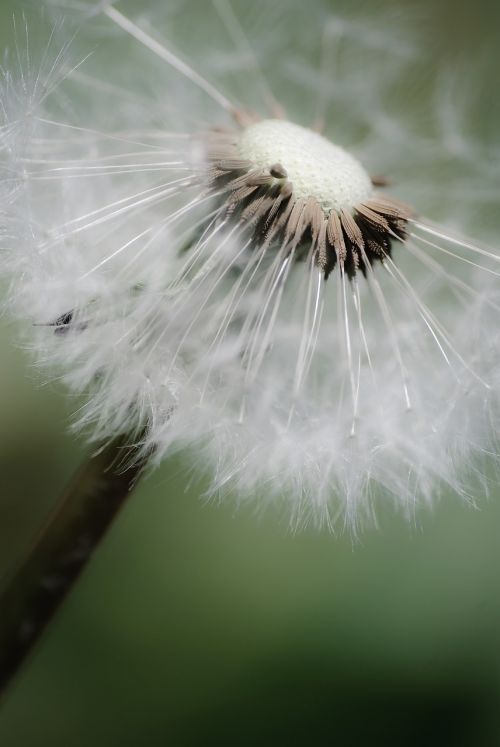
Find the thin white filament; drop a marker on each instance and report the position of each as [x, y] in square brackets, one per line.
[165, 54]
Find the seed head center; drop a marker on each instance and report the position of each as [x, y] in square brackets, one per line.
[316, 167]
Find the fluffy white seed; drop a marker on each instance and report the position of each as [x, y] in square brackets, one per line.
[144, 291]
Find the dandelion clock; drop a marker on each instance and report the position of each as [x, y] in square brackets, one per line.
[249, 253]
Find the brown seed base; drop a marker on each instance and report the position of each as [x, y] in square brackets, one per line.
[263, 200]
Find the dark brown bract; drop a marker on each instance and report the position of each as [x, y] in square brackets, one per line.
[264, 200]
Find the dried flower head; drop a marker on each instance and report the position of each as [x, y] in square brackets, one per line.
[237, 283]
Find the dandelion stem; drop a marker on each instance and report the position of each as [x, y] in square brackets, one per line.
[30, 598]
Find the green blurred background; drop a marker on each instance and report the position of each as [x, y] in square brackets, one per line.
[194, 625]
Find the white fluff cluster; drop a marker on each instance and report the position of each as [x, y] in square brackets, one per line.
[323, 394]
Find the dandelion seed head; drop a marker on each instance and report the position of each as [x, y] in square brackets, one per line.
[237, 286]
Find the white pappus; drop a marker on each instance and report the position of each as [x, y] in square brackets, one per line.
[203, 251]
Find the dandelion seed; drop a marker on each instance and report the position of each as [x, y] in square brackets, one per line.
[245, 288]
